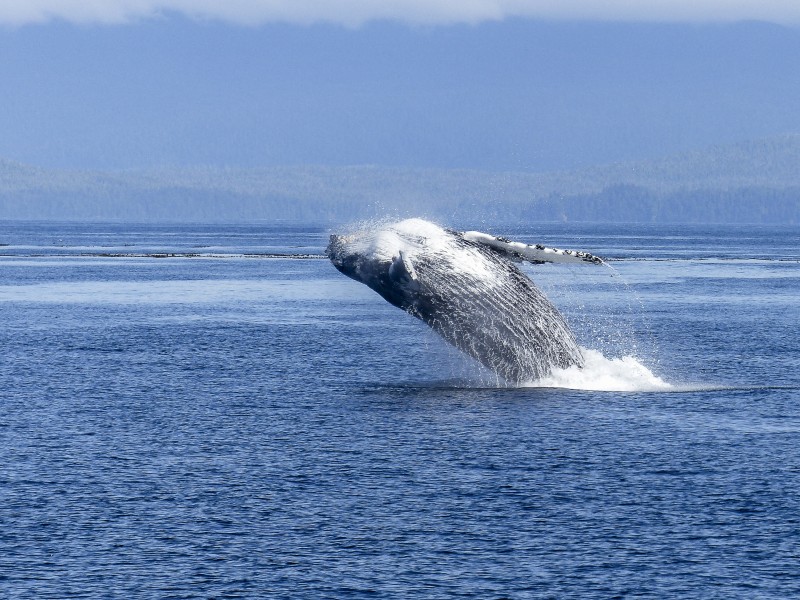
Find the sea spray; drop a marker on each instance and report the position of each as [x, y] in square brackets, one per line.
[599, 373]
[607, 316]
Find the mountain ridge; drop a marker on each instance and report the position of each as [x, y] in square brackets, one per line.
[725, 183]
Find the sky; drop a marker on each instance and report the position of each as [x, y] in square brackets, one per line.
[479, 84]
[432, 12]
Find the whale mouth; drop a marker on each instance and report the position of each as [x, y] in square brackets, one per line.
[343, 255]
[335, 248]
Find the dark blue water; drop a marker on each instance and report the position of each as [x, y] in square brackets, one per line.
[228, 423]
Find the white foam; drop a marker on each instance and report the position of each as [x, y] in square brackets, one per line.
[599, 373]
[417, 238]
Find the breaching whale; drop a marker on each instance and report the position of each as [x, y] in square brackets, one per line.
[466, 287]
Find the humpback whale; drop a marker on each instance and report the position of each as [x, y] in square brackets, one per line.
[468, 289]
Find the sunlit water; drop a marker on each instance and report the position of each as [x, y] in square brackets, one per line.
[229, 423]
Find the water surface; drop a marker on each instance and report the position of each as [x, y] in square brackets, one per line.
[187, 413]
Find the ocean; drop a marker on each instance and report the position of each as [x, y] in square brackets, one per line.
[196, 411]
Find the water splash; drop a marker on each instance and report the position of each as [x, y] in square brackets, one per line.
[624, 374]
[476, 297]
[610, 322]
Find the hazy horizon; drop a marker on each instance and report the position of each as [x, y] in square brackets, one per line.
[502, 93]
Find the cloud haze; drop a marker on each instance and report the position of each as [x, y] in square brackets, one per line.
[431, 12]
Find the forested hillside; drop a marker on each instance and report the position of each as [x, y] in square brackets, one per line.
[751, 182]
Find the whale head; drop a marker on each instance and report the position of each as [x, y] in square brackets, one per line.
[383, 259]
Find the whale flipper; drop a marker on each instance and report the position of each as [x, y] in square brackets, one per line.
[402, 270]
[536, 254]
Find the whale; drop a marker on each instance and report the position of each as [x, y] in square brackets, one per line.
[467, 287]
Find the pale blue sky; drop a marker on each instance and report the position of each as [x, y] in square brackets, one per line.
[488, 92]
[357, 12]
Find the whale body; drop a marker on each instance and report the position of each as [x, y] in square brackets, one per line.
[466, 287]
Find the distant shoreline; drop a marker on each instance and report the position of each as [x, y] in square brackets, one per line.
[750, 182]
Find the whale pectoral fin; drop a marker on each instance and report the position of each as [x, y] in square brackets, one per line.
[537, 254]
[402, 270]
